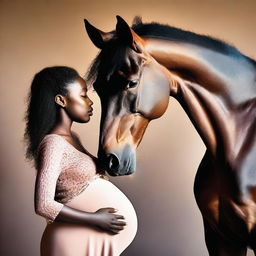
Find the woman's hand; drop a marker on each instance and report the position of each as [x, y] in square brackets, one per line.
[108, 221]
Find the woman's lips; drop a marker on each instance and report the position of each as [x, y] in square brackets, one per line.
[90, 112]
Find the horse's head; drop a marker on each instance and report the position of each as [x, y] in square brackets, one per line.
[133, 90]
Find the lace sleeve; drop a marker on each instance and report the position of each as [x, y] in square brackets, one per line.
[50, 155]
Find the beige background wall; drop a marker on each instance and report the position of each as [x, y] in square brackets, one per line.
[35, 34]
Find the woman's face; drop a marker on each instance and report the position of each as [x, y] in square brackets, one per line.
[78, 104]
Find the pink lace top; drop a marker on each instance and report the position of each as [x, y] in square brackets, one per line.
[63, 172]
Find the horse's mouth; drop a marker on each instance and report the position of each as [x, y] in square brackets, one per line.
[119, 173]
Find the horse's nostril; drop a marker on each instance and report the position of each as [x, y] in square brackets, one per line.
[113, 162]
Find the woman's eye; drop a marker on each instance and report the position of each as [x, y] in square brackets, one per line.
[84, 96]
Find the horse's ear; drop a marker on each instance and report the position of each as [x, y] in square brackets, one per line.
[98, 37]
[125, 33]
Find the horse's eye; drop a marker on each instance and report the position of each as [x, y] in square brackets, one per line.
[132, 84]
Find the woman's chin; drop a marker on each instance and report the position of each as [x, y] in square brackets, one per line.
[85, 120]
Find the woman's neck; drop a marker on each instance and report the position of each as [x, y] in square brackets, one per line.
[63, 125]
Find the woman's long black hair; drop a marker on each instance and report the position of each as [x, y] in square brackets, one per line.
[42, 110]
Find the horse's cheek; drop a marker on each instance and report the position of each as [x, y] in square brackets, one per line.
[161, 98]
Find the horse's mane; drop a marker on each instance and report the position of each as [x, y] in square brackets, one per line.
[161, 31]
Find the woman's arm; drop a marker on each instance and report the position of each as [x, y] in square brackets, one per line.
[50, 154]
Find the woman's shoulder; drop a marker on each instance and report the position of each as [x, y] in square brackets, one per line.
[59, 139]
[51, 146]
[52, 139]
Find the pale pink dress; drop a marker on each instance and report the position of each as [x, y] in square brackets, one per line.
[66, 176]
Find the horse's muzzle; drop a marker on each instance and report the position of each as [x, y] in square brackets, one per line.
[119, 163]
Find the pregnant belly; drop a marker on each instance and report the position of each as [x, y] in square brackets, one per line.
[67, 239]
[102, 193]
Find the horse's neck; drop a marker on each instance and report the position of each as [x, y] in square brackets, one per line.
[216, 90]
[232, 75]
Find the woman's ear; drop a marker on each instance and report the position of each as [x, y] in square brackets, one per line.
[60, 100]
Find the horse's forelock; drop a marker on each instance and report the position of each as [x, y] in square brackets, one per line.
[107, 62]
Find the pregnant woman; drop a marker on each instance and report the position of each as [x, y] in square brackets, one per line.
[86, 214]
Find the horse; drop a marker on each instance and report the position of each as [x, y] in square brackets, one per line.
[136, 71]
